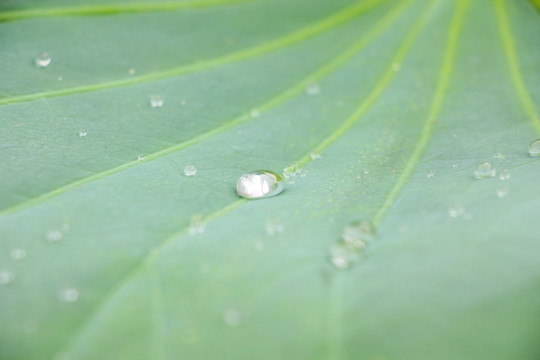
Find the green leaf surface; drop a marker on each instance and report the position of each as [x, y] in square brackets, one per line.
[386, 106]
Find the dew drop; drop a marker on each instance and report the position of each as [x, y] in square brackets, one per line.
[484, 170]
[396, 66]
[156, 101]
[502, 191]
[534, 148]
[43, 60]
[454, 165]
[358, 234]
[366, 171]
[6, 277]
[255, 113]
[430, 174]
[68, 295]
[83, 132]
[54, 235]
[259, 184]
[456, 210]
[504, 175]
[315, 156]
[232, 317]
[140, 157]
[131, 71]
[197, 224]
[291, 171]
[274, 227]
[18, 254]
[313, 89]
[343, 254]
[190, 170]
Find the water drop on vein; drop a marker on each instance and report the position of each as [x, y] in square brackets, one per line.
[313, 89]
[255, 113]
[18, 254]
[68, 295]
[83, 133]
[484, 170]
[343, 255]
[315, 156]
[156, 101]
[197, 224]
[358, 234]
[534, 148]
[259, 184]
[6, 277]
[140, 157]
[190, 170]
[43, 60]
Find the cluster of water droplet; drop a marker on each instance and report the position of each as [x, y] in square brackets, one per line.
[355, 238]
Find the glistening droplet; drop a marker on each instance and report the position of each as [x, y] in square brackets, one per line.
[534, 148]
[190, 170]
[358, 234]
[343, 255]
[43, 60]
[259, 184]
[156, 101]
[430, 174]
[197, 224]
[484, 170]
[313, 89]
[83, 133]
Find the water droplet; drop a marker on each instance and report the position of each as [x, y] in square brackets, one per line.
[366, 171]
[259, 184]
[274, 226]
[456, 210]
[197, 224]
[396, 66]
[43, 60]
[140, 157]
[254, 113]
[534, 148]
[343, 254]
[232, 317]
[484, 170]
[454, 165]
[358, 234]
[29, 327]
[430, 174]
[131, 71]
[313, 89]
[259, 245]
[291, 171]
[504, 175]
[54, 235]
[68, 295]
[190, 170]
[502, 191]
[83, 133]
[6, 277]
[315, 156]
[499, 156]
[156, 101]
[18, 254]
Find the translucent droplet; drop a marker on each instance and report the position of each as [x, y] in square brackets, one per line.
[430, 174]
[274, 227]
[29, 327]
[140, 157]
[313, 89]
[18, 254]
[343, 254]
[396, 66]
[255, 114]
[131, 71]
[366, 171]
[502, 191]
[190, 170]
[291, 171]
[259, 184]
[43, 60]
[156, 101]
[83, 133]
[456, 210]
[315, 156]
[534, 148]
[54, 235]
[197, 224]
[68, 295]
[504, 175]
[484, 170]
[6, 277]
[232, 317]
[259, 245]
[358, 234]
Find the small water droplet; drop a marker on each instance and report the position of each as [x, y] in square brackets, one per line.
[83, 133]
[502, 191]
[504, 175]
[140, 157]
[343, 254]
[232, 317]
[454, 165]
[54, 235]
[156, 101]
[366, 171]
[29, 327]
[315, 156]
[456, 210]
[484, 170]
[291, 171]
[259, 184]
[68, 295]
[197, 224]
[131, 71]
[534, 148]
[499, 156]
[358, 234]
[396, 66]
[259, 245]
[274, 226]
[18, 254]
[430, 174]
[43, 60]
[313, 89]
[6, 277]
[190, 170]
[255, 113]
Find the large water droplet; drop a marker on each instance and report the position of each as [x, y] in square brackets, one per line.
[197, 224]
[343, 254]
[358, 234]
[313, 89]
[190, 170]
[484, 170]
[156, 101]
[534, 148]
[6, 277]
[43, 60]
[68, 295]
[232, 317]
[18, 254]
[274, 226]
[259, 184]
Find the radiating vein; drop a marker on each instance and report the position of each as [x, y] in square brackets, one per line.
[278, 99]
[110, 9]
[513, 64]
[436, 104]
[319, 27]
[383, 24]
